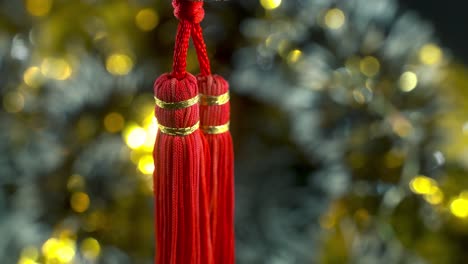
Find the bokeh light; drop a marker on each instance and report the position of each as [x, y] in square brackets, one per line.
[38, 7]
[334, 18]
[459, 207]
[147, 19]
[369, 66]
[119, 64]
[408, 81]
[114, 122]
[135, 136]
[423, 185]
[33, 77]
[294, 56]
[90, 248]
[270, 4]
[79, 202]
[146, 164]
[56, 68]
[430, 54]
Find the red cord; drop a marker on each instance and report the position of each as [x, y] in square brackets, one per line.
[200, 47]
[190, 14]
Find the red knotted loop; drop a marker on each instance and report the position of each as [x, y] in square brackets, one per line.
[189, 10]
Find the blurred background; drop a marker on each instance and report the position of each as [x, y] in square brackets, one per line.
[350, 121]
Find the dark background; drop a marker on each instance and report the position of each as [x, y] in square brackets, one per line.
[450, 20]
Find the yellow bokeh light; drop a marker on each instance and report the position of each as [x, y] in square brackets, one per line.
[56, 68]
[151, 128]
[50, 246]
[459, 207]
[13, 102]
[334, 18]
[369, 66]
[33, 77]
[147, 19]
[135, 136]
[25, 260]
[435, 197]
[423, 185]
[146, 164]
[119, 64]
[114, 122]
[270, 4]
[79, 202]
[408, 81]
[38, 7]
[294, 56]
[90, 248]
[430, 54]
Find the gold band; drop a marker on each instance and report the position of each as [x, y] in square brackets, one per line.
[214, 99]
[177, 105]
[179, 131]
[216, 129]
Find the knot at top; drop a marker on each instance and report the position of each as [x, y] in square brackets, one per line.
[190, 10]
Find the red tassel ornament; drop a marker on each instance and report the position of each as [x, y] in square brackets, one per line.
[214, 119]
[181, 158]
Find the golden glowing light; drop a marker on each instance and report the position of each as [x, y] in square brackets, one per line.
[294, 56]
[114, 122]
[151, 127]
[146, 165]
[459, 207]
[90, 248]
[50, 246]
[79, 202]
[270, 4]
[13, 102]
[334, 18]
[38, 7]
[435, 197]
[33, 77]
[119, 64]
[61, 250]
[423, 185]
[24, 260]
[56, 68]
[408, 81]
[135, 136]
[430, 54]
[369, 66]
[147, 19]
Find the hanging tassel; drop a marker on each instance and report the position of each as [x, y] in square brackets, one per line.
[214, 118]
[181, 156]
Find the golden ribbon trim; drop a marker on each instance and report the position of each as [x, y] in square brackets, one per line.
[172, 131]
[177, 105]
[214, 99]
[216, 129]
